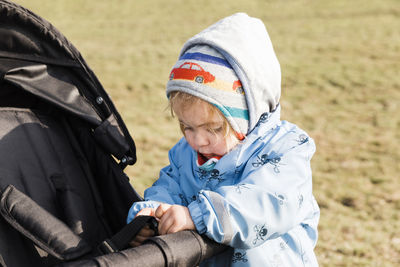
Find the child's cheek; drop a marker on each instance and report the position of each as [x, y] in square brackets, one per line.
[189, 138]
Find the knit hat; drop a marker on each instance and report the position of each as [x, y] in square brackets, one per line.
[203, 72]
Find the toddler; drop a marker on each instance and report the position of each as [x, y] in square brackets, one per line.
[239, 175]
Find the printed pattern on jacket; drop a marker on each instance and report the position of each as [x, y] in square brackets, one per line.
[257, 199]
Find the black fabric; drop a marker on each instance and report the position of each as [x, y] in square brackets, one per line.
[35, 155]
[29, 35]
[27, 38]
[46, 231]
[112, 184]
[148, 255]
[38, 78]
[58, 132]
[120, 240]
[2, 263]
[38, 155]
[186, 248]
[192, 248]
[109, 135]
[35, 79]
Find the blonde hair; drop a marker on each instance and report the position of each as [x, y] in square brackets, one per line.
[182, 100]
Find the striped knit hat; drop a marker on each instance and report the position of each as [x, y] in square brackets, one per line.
[203, 72]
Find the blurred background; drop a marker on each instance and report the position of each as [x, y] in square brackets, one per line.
[340, 65]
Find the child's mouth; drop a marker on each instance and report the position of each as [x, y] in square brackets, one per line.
[208, 156]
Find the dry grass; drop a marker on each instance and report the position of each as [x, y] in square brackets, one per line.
[341, 82]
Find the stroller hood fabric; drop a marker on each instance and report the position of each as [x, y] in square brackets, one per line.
[37, 58]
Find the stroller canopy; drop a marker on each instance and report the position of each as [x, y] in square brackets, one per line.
[36, 58]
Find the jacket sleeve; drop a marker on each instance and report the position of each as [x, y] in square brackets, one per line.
[273, 196]
[165, 190]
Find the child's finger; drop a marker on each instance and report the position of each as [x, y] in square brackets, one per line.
[142, 238]
[161, 210]
[146, 232]
[143, 235]
[134, 243]
[166, 222]
[146, 211]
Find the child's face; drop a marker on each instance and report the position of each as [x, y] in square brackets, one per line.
[205, 133]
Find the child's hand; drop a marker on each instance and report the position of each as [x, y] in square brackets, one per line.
[146, 231]
[173, 218]
[143, 235]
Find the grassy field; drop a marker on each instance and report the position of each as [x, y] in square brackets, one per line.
[341, 83]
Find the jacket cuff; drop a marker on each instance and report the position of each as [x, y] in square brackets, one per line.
[197, 217]
[138, 206]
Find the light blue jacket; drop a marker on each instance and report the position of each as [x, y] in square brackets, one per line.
[258, 198]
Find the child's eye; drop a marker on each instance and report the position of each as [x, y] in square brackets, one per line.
[184, 127]
[215, 130]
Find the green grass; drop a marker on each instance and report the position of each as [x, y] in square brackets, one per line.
[341, 83]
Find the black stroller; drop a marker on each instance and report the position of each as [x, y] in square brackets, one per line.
[63, 146]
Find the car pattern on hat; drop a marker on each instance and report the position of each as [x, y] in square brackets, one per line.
[193, 72]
